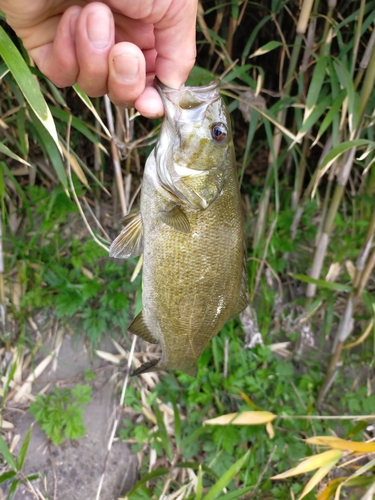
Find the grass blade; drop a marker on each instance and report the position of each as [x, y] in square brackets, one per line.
[24, 448]
[226, 478]
[8, 457]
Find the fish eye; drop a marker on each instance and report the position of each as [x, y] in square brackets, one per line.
[219, 132]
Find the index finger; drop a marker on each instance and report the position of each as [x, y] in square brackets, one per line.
[175, 43]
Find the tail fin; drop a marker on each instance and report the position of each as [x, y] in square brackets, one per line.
[150, 366]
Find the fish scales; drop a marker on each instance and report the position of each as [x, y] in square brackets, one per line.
[194, 276]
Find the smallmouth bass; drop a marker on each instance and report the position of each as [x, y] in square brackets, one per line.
[189, 229]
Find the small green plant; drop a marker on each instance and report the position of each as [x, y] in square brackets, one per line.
[13, 474]
[60, 414]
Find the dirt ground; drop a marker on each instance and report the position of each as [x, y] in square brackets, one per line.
[72, 470]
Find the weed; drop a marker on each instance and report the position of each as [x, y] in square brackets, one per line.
[59, 414]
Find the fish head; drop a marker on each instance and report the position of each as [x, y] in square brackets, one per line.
[194, 144]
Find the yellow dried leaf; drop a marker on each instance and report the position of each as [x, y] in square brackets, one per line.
[317, 477]
[112, 358]
[244, 418]
[270, 430]
[330, 489]
[75, 165]
[4, 424]
[341, 444]
[249, 401]
[311, 463]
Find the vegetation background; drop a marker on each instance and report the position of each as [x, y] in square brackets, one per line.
[299, 81]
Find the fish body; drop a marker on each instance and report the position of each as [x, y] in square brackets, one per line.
[189, 229]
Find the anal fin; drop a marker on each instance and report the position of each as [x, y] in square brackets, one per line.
[176, 219]
[129, 243]
[150, 366]
[139, 327]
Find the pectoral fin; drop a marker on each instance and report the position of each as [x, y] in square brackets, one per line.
[150, 366]
[192, 371]
[176, 219]
[139, 327]
[129, 243]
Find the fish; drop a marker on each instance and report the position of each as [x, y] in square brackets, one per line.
[189, 229]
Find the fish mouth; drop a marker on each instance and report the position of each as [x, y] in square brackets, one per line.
[189, 97]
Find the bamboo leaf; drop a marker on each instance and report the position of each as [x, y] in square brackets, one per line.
[226, 478]
[266, 48]
[311, 118]
[317, 477]
[76, 167]
[346, 83]
[5, 150]
[244, 418]
[329, 285]
[332, 113]
[249, 401]
[86, 100]
[338, 150]
[27, 83]
[52, 151]
[336, 443]
[311, 463]
[315, 86]
[330, 489]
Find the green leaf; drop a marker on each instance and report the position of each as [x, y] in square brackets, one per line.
[338, 150]
[82, 393]
[5, 452]
[7, 476]
[76, 123]
[266, 48]
[5, 150]
[27, 83]
[315, 86]
[346, 82]
[237, 493]
[24, 448]
[329, 285]
[13, 489]
[162, 471]
[19, 190]
[226, 478]
[52, 151]
[163, 433]
[332, 113]
[311, 118]
[91, 107]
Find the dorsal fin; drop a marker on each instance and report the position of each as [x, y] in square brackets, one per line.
[150, 366]
[129, 243]
[176, 219]
[139, 327]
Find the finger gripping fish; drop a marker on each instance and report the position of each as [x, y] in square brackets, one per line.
[189, 229]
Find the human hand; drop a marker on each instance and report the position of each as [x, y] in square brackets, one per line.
[112, 47]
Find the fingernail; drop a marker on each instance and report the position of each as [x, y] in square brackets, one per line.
[73, 23]
[99, 30]
[126, 66]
